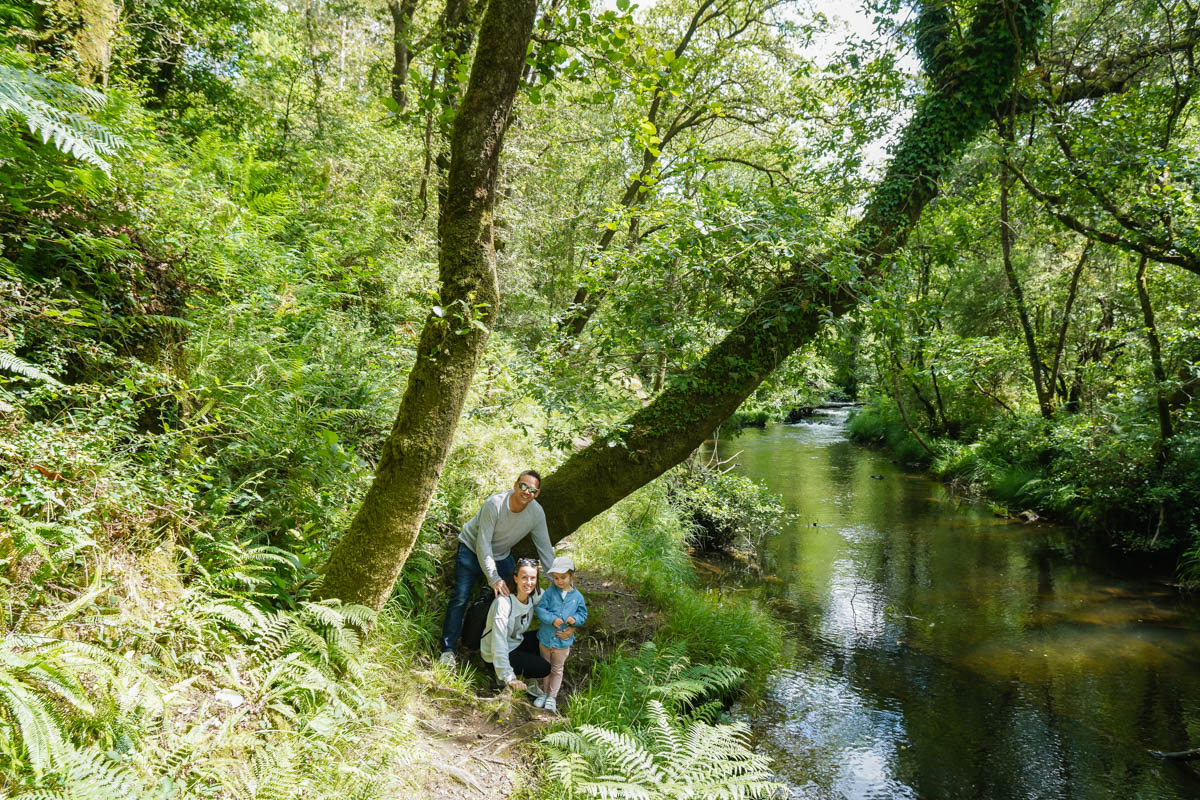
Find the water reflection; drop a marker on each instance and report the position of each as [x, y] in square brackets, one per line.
[946, 653]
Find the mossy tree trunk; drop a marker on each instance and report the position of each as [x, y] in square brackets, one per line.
[968, 83]
[402, 13]
[366, 562]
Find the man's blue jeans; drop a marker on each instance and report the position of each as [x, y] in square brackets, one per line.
[466, 575]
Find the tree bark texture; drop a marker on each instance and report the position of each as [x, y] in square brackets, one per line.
[402, 13]
[963, 97]
[1165, 428]
[366, 562]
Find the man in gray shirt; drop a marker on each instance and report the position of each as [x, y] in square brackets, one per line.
[484, 549]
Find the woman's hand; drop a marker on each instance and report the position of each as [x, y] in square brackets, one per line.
[517, 685]
[565, 633]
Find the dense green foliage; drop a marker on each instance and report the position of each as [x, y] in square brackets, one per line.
[218, 244]
[1063, 375]
[727, 512]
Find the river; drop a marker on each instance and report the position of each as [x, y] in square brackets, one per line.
[941, 652]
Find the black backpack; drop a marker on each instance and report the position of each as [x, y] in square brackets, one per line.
[475, 620]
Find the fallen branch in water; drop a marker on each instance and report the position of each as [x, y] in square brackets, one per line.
[1182, 755]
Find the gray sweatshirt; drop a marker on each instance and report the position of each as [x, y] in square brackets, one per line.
[508, 619]
[495, 530]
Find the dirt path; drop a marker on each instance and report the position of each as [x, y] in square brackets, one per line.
[481, 747]
[478, 747]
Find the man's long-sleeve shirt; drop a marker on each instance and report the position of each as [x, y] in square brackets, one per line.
[495, 530]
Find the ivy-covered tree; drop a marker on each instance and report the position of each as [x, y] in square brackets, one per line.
[968, 83]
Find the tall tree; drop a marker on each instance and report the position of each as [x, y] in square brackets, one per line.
[364, 565]
[968, 82]
[689, 95]
[402, 50]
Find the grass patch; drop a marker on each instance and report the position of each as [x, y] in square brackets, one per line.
[876, 427]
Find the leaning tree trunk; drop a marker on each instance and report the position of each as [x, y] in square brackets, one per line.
[366, 562]
[967, 86]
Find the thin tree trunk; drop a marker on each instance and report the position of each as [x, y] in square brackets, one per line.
[937, 393]
[1165, 428]
[1014, 284]
[904, 416]
[962, 99]
[423, 191]
[366, 562]
[1182, 755]
[402, 13]
[1061, 344]
[314, 64]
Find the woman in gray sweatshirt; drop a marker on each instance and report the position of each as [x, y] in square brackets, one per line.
[508, 644]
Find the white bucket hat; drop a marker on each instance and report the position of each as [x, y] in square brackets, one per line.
[563, 564]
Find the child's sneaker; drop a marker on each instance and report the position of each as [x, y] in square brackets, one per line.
[550, 704]
[540, 701]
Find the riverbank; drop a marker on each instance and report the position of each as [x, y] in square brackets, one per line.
[929, 629]
[1108, 489]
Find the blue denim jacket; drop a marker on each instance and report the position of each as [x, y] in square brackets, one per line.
[554, 606]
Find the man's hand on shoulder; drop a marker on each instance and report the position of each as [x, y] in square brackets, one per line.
[500, 588]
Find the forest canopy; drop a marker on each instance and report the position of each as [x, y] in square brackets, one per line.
[300, 279]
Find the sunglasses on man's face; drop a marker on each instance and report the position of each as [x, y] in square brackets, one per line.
[525, 487]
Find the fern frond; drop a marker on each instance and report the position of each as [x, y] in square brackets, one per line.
[273, 637]
[11, 363]
[146, 320]
[664, 760]
[306, 640]
[42, 103]
[39, 724]
[91, 775]
[241, 617]
[324, 614]
[271, 204]
[361, 617]
[355, 414]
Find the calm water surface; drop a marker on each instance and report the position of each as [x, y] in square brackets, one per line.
[944, 653]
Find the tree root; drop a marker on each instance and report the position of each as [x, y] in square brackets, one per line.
[463, 776]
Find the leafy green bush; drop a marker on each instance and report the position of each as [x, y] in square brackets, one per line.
[643, 538]
[882, 425]
[726, 511]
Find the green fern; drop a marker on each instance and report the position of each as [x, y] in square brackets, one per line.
[622, 690]
[45, 106]
[88, 774]
[669, 759]
[48, 685]
[274, 203]
[12, 363]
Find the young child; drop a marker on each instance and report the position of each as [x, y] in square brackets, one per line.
[561, 607]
